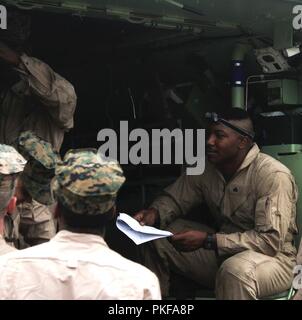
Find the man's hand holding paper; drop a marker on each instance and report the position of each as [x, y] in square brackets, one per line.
[148, 217]
[137, 232]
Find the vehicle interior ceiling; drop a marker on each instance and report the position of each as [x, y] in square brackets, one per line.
[149, 74]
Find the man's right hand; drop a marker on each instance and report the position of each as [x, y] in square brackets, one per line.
[148, 217]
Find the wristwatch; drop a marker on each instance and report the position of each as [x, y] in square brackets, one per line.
[210, 242]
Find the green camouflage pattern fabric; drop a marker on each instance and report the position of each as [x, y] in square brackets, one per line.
[40, 168]
[86, 182]
[11, 161]
[32, 146]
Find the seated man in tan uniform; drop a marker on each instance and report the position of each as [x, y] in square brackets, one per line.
[11, 164]
[252, 198]
[39, 100]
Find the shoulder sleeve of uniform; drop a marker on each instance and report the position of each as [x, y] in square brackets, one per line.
[275, 213]
[179, 198]
[50, 88]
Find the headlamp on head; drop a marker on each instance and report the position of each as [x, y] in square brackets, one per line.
[214, 117]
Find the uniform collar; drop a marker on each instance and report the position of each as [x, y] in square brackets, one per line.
[250, 157]
[66, 236]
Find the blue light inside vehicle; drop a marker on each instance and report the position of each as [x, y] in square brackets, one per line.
[237, 74]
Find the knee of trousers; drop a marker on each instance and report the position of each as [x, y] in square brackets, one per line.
[235, 272]
[158, 247]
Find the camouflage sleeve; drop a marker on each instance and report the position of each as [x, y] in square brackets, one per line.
[275, 209]
[50, 88]
[179, 198]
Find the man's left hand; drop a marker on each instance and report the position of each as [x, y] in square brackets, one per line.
[188, 240]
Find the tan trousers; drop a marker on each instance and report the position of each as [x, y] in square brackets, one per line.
[246, 275]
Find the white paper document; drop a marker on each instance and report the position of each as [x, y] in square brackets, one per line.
[138, 233]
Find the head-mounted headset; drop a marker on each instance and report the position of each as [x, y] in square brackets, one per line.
[213, 116]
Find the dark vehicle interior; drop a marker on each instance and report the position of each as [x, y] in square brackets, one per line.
[157, 64]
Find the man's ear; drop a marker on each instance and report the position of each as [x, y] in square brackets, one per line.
[11, 207]
[112, 214]
[243, 143]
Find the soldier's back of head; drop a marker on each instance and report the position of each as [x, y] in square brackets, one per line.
[11, 164]
[86, 186]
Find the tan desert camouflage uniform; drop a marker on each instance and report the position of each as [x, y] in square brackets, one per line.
[42, 102]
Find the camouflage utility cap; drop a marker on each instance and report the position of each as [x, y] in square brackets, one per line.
[11, 163]
[33, 147]
[40, 168]
[87, 183]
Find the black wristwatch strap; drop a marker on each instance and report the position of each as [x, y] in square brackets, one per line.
[210, 242]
